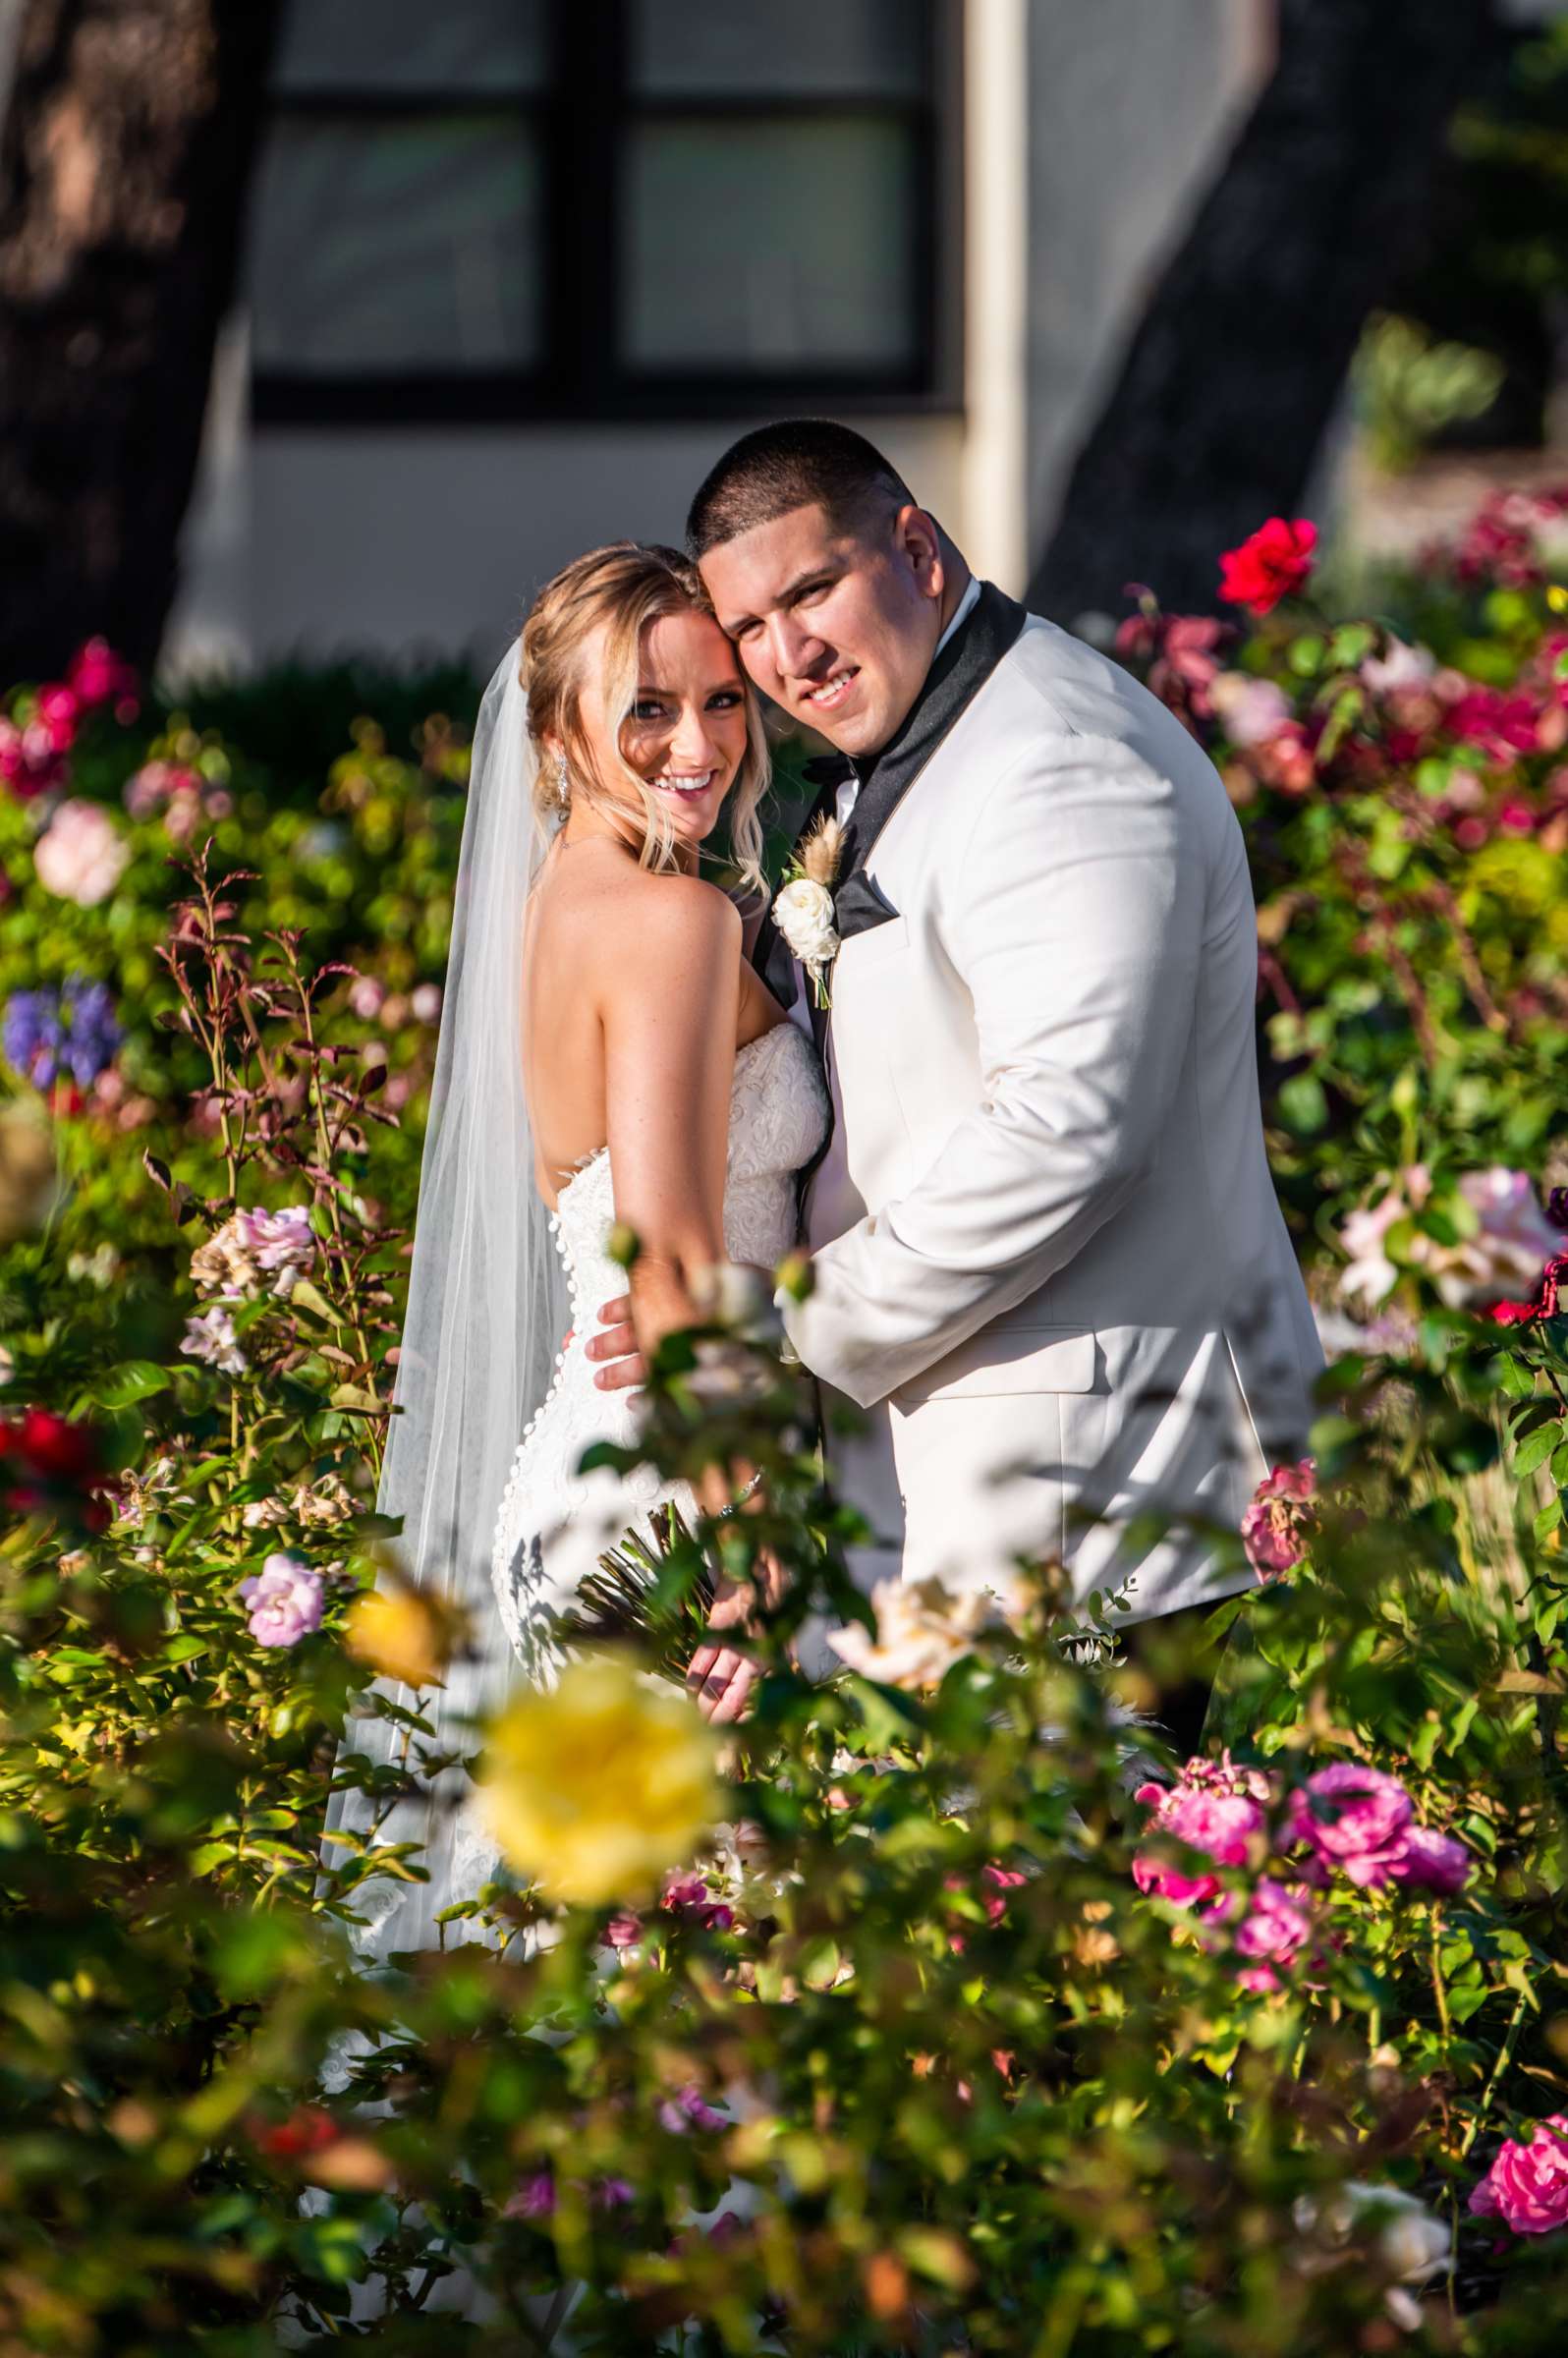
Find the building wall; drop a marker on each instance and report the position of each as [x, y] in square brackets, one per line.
[1087, 133]
[1133, 104]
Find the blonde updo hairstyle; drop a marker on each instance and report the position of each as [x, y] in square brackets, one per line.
[628, 584]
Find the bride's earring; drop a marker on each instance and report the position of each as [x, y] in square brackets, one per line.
[563, 782]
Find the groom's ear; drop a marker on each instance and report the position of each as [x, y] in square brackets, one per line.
[919, 540]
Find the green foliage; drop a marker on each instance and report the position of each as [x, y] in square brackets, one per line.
[931, 2048]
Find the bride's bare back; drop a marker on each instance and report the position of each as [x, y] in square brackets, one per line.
[620, 959]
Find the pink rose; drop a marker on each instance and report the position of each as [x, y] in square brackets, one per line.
[1352, 1818]
[283, 1601]
[81, 855]
[99, 676]
[1220, 1824]
[1527, 2185]
[30, 761]
[1275, 1929]
[1274, 1532]
[1431, 1862]
[283, 1243]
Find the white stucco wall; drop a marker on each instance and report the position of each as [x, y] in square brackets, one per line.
[440, 539]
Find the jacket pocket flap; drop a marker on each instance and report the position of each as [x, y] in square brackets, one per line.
[1008, 1359]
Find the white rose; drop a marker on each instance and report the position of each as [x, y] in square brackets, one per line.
[804, 915]
[923, 1628]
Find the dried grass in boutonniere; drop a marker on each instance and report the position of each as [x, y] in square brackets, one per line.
[804, 910]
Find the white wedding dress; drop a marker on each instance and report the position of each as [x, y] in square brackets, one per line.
[556, 1522]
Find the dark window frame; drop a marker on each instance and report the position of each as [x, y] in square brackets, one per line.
[582, 115]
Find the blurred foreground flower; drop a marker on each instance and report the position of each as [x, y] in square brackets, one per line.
[51, 1466]
[1527, 2185]
[28, 1174]
[1512, 1245]
[403, 1634]
[283, 1601]
[923, 1628]
[596, 1786]
[81, 856]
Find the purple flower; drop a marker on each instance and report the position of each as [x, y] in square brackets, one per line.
[613, 2194]
[1352, 1818]
[281, 1241]
[534, 2196]
[69, 1027]
[687, 2109]
[211, 1337]
[1274, 1930]
[1431, 1862]
[688, 1896]
[1207, 1814]
[283, 1601]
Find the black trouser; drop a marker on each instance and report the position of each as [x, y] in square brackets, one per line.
[1168, 1650]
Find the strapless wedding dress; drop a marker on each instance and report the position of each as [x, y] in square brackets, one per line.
[555, 1522]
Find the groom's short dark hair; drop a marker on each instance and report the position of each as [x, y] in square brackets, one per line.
[799, 463]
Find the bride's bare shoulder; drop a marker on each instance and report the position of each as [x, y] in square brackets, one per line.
[618, 915]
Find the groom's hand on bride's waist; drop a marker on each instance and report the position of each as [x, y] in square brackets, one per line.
[622, 1365]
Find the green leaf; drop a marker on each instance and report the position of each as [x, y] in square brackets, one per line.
[1536, 1450]
[132, 1380]
[304, 1296]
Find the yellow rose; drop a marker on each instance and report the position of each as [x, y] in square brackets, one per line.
[400, 1634]
[594, 1786]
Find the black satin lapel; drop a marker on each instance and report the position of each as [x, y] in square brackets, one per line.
[858, 906]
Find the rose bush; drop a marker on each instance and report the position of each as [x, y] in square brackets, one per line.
[939, 2009]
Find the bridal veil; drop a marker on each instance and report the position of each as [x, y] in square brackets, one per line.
[488, 1313]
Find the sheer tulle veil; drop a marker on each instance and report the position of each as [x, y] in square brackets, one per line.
[487, 1312]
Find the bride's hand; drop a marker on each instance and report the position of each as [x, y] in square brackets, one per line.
[720, 1676]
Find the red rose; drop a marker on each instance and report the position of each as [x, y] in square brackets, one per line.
[55, 1449]
[1273, 564]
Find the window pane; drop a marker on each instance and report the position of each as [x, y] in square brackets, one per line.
[765, 246]
[413, 45]
[710, 48]
[409, 244]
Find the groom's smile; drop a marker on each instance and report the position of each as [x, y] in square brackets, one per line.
[835, 623]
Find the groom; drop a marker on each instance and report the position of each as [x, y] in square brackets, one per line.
[1049, 1268]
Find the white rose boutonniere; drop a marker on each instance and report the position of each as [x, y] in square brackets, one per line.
[803, 909]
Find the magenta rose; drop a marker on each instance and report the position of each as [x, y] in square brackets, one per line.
[283, 1601]
[1352, 1818]
[1527, 2185]
[1431, 1862]
[1206, 1817]
[1273, 1932]
[1275, 1529]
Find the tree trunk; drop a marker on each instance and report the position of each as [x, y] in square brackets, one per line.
[1235, 370]
[123, 162]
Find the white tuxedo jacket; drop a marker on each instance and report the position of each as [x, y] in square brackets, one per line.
[1051, 1270]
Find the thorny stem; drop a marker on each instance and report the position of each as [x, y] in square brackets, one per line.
[1505, 2058]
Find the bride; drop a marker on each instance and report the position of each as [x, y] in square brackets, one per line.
[607, 1055]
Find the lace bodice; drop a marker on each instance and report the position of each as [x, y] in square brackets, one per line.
[778, 1114]
[555, 1522]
